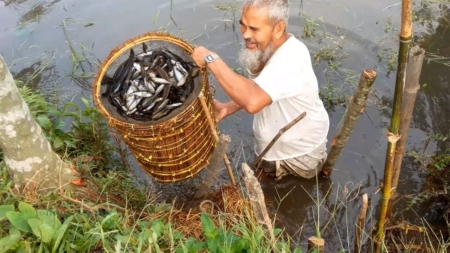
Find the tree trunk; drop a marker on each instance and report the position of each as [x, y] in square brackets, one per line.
[30, 160]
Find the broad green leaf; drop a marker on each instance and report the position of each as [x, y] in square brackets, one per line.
[54, 111]
[44, 121]
[123, 238]
[34, 224]
[297, 250]
[69, 144]
[177, 235]
[197, 246]
[10, 240]
[58, 124]
[143, 237]
[158, 227]
[4, 209]
[18, 221]
[23, 246]
[207, 223]
[47, 232]
[49, 218]
[57, 143]
[240, 245]
[189, 242]
[27, 210]
[212, 234]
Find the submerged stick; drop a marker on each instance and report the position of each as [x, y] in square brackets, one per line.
[256, 197]
[412, 86]
[405, 41]
[257, 161]
[354, 109]
[213, 167]
[360, 223]
[213, 130]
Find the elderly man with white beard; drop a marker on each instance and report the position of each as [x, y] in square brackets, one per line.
[281, 86]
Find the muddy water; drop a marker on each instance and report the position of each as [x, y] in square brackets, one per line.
[32, 40]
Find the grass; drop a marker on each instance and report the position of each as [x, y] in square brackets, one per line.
[118, 216]
[112, 214]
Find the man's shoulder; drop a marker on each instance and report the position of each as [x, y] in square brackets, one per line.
[293, 53]
[294, 47]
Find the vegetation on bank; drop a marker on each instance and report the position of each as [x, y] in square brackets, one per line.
[111, 213]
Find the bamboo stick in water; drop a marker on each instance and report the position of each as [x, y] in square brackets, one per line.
[412, 86]
[354, 109]
[360, 223]
[405, 41]
[213, 130]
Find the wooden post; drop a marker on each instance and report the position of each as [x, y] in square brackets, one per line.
[213, 167]
[316, 245]
[405, 41]
[360, 223]
[256, 197]
[257, 161]
[412, 86]
[213, 129]
[354, 109]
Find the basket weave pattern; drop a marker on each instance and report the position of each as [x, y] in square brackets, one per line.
[169, 151]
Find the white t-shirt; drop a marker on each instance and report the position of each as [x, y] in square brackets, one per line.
[289, 79]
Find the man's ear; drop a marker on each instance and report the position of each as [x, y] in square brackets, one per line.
[280, 27]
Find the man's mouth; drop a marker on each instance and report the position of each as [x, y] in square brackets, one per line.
[250, 44]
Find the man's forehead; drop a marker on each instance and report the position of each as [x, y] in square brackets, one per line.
[254, 15]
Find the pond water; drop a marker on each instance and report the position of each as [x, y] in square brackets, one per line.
[344, 37]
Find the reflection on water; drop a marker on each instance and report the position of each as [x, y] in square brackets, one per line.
[30, 10]
[360, 167]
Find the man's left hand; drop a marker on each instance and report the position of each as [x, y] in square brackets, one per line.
[199, 55]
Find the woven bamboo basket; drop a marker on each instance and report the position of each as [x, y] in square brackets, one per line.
[177, 146]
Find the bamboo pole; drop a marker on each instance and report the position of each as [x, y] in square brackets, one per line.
[211, 125]
[258, 159]
[354, 109]
[360, 223]
[412, 86]
[405, 41]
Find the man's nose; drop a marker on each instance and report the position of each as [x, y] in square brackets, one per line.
[246, 34]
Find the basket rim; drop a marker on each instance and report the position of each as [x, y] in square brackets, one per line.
[126, 45]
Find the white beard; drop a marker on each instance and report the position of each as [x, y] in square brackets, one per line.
[254, 59]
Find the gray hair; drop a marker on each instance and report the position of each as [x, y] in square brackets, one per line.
[278, 9]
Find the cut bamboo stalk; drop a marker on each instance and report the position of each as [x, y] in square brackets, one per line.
[354, 109]
[316, 245]
[360, 223]
[258, 159]
[412, 86]
[405, 41]
[213, 167]
[256, 197]
[213, 129]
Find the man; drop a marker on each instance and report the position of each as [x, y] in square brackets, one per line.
[281, 86]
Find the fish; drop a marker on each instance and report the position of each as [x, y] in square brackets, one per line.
[149, 85]
[174, 105]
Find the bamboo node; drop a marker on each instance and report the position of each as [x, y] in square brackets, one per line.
[392, 138]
